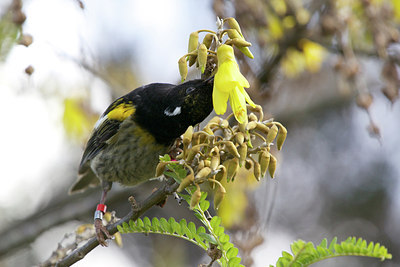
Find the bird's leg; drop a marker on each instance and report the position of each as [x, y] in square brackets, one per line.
[101, 230]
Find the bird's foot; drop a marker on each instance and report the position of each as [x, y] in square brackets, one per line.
[102, 233]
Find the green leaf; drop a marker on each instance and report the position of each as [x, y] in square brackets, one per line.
[204, 205]
[208, 238]
[147, 224]
[192, 228]
[232, 252]
[219, 230]
[156, 224]
[233, 262]
[164, 225]
[126, 227]
[215, 221]
[203, 196]
[120, 229]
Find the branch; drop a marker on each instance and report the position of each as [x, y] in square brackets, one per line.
[65, 208]
[154, 199]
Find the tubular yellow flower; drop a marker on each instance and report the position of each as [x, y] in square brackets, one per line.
[229, 84]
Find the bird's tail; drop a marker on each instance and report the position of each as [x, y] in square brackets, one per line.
[85, 179]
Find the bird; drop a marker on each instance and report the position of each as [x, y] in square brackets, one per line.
[134, 131]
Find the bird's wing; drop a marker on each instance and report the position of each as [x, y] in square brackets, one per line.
[106, 127]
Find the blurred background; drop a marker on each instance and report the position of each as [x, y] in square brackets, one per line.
[328, 70]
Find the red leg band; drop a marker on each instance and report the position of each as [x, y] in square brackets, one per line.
[102, 208]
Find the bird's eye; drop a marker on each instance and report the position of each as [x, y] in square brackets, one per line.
[190, 90]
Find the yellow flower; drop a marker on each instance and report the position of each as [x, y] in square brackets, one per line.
[230, 83]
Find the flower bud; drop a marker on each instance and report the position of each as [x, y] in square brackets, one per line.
[253, 117]
[272, 166]
[273, 131]
[264, 158]
[215, 159]
[246, 51]
[203, 173]
[193, 43]
[183, 69]
[192, 153]
[248, 164]
[222, 173]
[281, 137]
[240, 42]
[232, 33]
[185, 182]
[231, 148]
[243, 154]
[251, 125]
[187, 136]
[219, 196]
[232, 168]
[207, 163]
[262, 128]
[195, 198]
[202, 57]
[364, 100]
[208, 40]
[215, 119]
[160, 168]
[224, 124]
[201, 165]
[233, 24]
[239, 137]
[257, 170]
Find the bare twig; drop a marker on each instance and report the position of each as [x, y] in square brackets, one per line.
[155, 198]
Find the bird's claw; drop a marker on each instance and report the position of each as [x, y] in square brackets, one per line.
[102, 233]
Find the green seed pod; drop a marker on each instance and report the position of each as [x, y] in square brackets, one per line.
[240, 42]
[187, 136]
[195, 198]
[203, 173]
[185, 182]
[231, 148]
[281, 137]
[243, 154]
[219, 196]
[222, 173]
[232, 168]
[208, 40]
[239, 137]
[160, 168]
[273, 131]
[202, 57]
[233, 24]
[272, 166]
[257, 170]
[251, 125]
[246, 51]
[264, 159]
[215, 119]
[183, 69]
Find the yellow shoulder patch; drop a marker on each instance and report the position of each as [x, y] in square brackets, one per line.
[121, 111]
